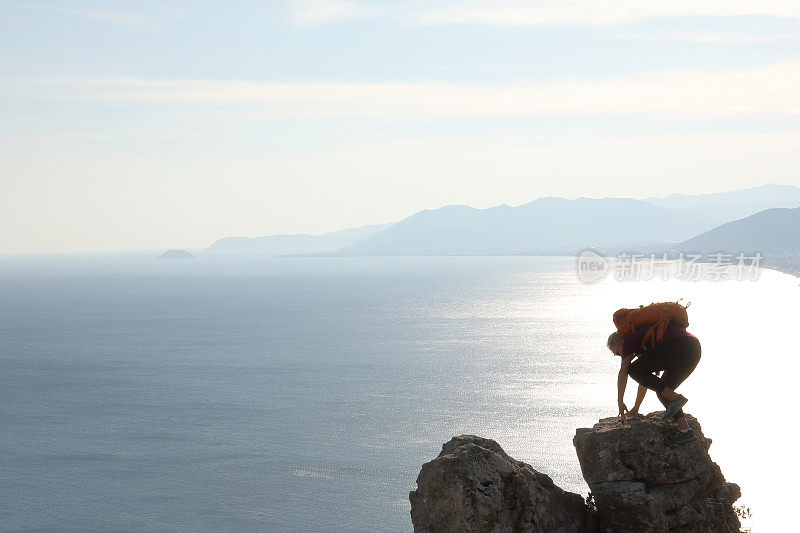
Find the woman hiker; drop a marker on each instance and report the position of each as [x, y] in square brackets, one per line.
[677, 354]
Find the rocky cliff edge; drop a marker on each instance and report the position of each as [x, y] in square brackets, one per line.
[638, 481]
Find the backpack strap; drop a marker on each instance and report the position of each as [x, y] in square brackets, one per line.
[656, 332]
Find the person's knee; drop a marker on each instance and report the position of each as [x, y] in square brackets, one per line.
[641, 376]
[635, 370]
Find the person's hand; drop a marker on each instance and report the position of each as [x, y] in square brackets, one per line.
[634, 413]
[622, 410]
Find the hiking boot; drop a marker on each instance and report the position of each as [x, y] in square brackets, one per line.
[674, 406]
[682, 436]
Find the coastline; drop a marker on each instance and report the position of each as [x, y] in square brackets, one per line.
[787, 264]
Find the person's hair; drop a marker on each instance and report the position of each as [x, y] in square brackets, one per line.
[612, 342]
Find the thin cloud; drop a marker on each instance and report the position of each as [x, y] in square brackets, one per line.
[150, 20]
[538, 12]
[597, 12]
[315, 12]
[738, 93]
[106, 15]
[713, 37]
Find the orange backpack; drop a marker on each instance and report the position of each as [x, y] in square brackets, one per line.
[658, 316]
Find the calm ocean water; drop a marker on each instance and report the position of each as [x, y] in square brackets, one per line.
[303, 394]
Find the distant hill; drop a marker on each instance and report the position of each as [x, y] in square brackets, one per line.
[771, 232]
[175, 254]
[734, 205]
[544, 226]
[294, 244]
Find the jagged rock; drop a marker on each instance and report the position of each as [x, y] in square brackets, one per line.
[642, 482]
[473, 485]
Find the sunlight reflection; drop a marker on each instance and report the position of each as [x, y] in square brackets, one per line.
[740, 392]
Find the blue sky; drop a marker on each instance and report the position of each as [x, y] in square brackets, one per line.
[141, 125]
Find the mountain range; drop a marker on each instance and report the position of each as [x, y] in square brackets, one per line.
[733, 205]
[544, 226]
[770, 232]
[560, 226]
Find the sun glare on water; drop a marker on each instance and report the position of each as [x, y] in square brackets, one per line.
[741, 392]
[744, 389]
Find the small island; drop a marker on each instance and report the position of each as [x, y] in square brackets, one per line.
[176, 254]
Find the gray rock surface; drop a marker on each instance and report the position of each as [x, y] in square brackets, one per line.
[473, 485]
[642, 482]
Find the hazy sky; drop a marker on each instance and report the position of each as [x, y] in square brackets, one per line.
[144, 125]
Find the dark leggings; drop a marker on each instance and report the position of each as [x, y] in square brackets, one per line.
[677, 357]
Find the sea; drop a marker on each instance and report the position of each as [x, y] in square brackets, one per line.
[305, 393]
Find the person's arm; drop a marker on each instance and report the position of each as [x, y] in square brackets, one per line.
[622, 381]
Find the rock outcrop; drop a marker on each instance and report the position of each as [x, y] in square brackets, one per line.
[639, 481]
[473, 485]
[642, 482]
